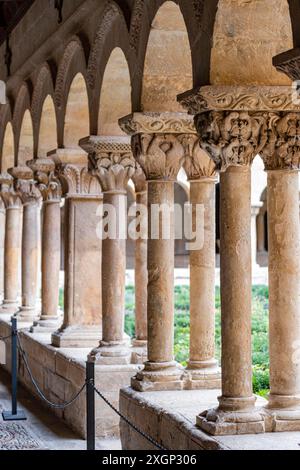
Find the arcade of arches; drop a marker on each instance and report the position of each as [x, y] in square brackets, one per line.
[153, 101]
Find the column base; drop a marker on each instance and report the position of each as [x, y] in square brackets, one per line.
[233, 416]
[77, 336]
[27, 315]
[158, 376]
[282, 414]
[139, 351]
[9, 307]
[111, 353]
[202, 375]
[46, 324]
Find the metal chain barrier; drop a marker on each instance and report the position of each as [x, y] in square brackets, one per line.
[39, 391]
[133, 426]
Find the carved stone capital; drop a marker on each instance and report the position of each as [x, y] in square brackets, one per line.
[157, 123]
[282, 150]
[46, 179]
[160, 155]
[10, 197]
[24, 184]
[197, 162]
[288, 62]
[110, 160]
[139, 179]
[239, 98]
[232, 138]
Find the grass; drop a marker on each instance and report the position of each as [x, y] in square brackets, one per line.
[260, 350]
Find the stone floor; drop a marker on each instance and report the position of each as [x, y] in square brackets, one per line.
[42, 430]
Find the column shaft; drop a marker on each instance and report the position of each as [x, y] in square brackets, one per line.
[2, 242]
[141, 281]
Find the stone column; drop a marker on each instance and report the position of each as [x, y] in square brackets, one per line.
[202, 370]
[161, 155]
[140, 272]
[12, 246]
[112, 163]
[261, 233]
[82, 291]
[254, 213]
[2, 241]
[30, 197]
[48, 185]
[233, 139]
[282, 162]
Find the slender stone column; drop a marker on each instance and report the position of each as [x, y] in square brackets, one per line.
[12, 246]
[254, 213]
[2, 241]
[141, 273]
[112, 163]
[48, 185]
[30, 197]
[233, 139]
[282, 162]
[161, 155]
[82, 291]
[202, 370]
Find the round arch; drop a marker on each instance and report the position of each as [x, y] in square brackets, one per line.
[47, 139]
[7, 154]
[76, 123]
[25, 147]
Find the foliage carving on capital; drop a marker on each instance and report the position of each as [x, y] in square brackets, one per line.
[10, 197]
[113, 169]
[139, 179]
[24, 184]
[77, 180]
[232, 138]
[46, 179]
[197, 163]
[160, 155]
[282, 150]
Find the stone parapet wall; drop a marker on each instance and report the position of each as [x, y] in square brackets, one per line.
[61, 372]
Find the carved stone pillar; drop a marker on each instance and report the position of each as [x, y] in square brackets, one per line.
[282, 162]
[202, 370]
[12, 246]
[2, 241]
[157, 148]
[30, 196]
[233, 139]
[82, 291]
[112, 163]
[43, 170]
[141, 273]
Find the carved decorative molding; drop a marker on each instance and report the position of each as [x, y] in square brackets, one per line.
[160, 155]
[232, 138]
[157, 123]
[47, 182]
[110, 160]
[197, 162]
[282, 150]
[239, 98]
[139, 179]
[288, 63]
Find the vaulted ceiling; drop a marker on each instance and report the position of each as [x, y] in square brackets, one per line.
[11, 12]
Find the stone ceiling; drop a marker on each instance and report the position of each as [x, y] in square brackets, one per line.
[11, 13]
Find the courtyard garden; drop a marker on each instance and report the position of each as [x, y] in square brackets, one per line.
[260, 350]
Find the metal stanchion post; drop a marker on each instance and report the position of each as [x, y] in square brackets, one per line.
[14, 414]
[90, 406]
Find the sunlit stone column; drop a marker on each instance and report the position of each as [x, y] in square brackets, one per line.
[49, 186]
[30, 197]
[161, 155]
[233, 139]
[282, 162]
[12, 248]
[141, 273]
[202, 370]
[82, 290]
[112, 163]
[2, 241]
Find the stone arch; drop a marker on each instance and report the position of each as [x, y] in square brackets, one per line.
[7, 148]
[112, 34]
[44, 88]
[168, 61]
[47, 137]
[22, 104]
[76, 124]
[72, 63]
[25, 147]
[115, 97]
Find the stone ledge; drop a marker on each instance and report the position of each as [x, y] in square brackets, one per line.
[170, 417]
[61, 372]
